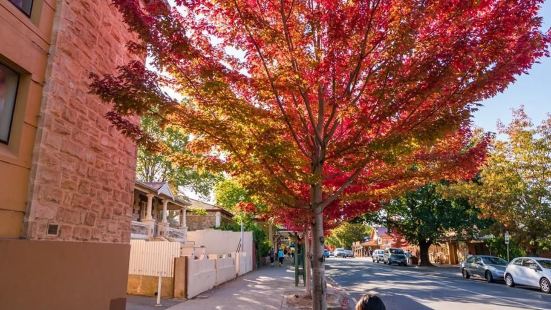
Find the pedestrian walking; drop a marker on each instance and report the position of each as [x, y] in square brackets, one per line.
[272, 257]
[370, 302]
[280, 256]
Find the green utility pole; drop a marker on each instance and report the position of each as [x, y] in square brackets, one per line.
[299, 264]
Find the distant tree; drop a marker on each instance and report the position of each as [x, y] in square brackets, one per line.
[423, 217]
[346, 233]
[514, 186]
[228, 194]
[157, 166]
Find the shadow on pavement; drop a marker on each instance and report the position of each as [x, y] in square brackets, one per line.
[147, 303]
[400, 286]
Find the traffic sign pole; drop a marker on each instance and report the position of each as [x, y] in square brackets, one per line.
[507, 238]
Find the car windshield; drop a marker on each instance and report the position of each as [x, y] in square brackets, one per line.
[396, 251]
[494, 261]
[339, 249]
[545, 263]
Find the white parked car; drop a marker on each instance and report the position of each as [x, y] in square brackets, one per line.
[378, 256]
[339, 252]
[529, 271]
[348, 253]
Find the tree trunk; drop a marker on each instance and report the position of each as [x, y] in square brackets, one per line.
[307, 262]
[319, 294]
[424, 253]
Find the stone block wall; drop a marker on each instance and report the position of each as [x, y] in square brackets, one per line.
[198, 222]
[83, 170]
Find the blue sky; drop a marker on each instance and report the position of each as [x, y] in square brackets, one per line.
[533, 90]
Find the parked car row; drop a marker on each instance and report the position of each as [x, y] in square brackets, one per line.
[340, 252]
[523, 271]
[390, 256]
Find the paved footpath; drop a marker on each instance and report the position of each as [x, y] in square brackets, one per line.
[261, 289]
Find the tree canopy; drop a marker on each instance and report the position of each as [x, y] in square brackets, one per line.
[514, 186]
[423, 217]
[346, 233]
[228, 194]
[323, 106]
[156, 166]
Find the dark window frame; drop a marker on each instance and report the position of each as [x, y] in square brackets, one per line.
[527, 262]
[7, 141]
[517, 262]
[28, 14]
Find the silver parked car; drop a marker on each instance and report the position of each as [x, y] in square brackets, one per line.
[348, 253]
[396, 256]
[378, 256]
[488, 267]
[339, 252]
[530, 271]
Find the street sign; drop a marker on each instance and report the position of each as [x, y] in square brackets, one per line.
[507, 237]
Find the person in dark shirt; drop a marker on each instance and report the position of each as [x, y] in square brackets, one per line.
[370, 302]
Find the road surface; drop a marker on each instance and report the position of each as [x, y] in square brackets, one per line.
[414, 288]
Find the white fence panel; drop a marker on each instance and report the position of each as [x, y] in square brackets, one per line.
[225, 270]
[153, 258]
[243, 263]
[201, 276]
[220, 241]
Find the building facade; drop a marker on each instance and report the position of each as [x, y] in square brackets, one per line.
[66, 175]
[448, 250]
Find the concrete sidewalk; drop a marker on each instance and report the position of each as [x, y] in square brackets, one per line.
[260, 289]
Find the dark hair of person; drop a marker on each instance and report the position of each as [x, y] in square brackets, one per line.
[370, 302]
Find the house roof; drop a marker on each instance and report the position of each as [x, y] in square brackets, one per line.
[162, 189]
[198, 204]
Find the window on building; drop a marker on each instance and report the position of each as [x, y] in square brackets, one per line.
[24, 5]
[9, 81]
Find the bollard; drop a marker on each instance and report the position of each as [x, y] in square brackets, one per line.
[158, 304]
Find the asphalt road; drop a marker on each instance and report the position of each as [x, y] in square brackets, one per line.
[413, 288]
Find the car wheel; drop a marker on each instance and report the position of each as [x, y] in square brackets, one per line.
[466, 274]
[545, 286]
[489, 277]
[509, 280]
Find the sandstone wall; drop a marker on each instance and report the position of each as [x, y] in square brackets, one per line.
[82, 172]
[198, 222]
[24, 46]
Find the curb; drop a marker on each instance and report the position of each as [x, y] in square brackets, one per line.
[345, 301]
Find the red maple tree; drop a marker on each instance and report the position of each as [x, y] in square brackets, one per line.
[322, 105]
